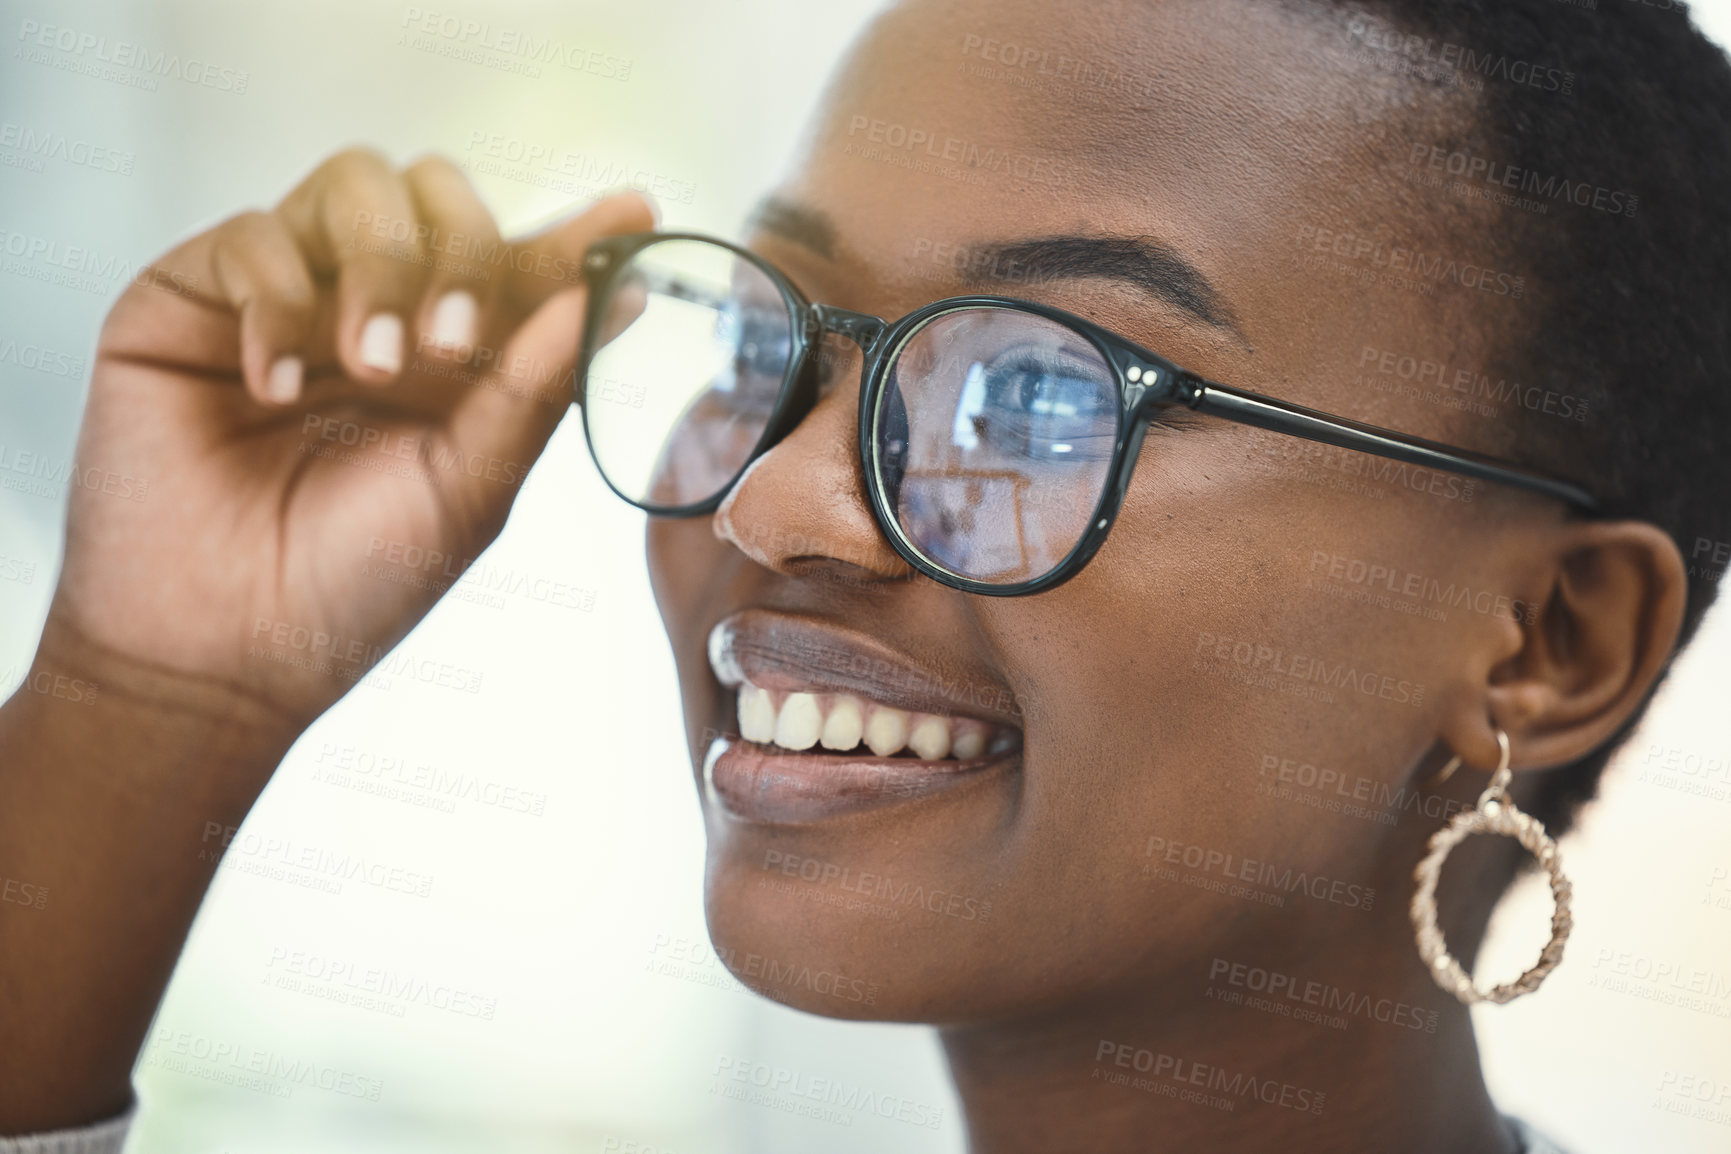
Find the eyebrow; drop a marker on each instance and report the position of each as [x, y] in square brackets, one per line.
[809, 227]
[1143, 262]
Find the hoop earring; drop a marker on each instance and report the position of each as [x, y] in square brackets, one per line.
[1495, 813]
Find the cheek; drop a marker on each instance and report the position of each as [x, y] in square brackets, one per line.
[1191, 653]
[687, 564]
[692, 575]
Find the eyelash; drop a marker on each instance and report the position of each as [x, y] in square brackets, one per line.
[1178, 421]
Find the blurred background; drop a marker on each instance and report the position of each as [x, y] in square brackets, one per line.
[553, 988]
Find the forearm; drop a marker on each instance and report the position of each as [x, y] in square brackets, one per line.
[110, 771]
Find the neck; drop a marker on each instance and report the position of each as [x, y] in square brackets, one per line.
[1326, 1044]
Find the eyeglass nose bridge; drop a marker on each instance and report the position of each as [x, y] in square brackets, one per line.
[862, 329]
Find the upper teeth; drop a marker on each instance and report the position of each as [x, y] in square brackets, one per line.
[841, 721]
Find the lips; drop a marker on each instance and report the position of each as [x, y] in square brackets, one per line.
[833, 721]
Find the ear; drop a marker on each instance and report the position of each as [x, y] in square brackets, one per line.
[1589, 648]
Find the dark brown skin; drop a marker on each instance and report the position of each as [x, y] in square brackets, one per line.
[1122, 739]
[1259, 126]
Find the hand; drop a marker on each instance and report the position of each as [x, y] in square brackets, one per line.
[288, 406]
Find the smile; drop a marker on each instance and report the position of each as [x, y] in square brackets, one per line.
[846, 723]
[833, 722]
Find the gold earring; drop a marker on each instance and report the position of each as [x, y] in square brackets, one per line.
[1495, 813]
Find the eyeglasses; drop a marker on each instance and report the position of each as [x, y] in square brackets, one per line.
[997, 436]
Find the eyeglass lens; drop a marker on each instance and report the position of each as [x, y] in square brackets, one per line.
[994, 438]
[993, 433]
[686, 368]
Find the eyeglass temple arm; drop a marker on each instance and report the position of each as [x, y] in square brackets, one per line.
[1267, 413]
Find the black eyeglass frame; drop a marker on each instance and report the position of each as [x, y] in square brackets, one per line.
[1147, 384]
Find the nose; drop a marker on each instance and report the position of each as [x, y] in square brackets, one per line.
[801, 509]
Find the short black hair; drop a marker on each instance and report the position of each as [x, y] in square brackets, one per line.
[1615, 116]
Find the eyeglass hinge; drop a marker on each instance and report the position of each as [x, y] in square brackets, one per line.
[1189, 388]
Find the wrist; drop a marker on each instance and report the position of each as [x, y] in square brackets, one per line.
[150, 712]
[118, 778]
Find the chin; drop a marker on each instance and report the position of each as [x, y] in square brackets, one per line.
[834, 932]
[859, 809]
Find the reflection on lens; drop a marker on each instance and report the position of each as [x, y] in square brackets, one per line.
[994, 436]
[692, 344]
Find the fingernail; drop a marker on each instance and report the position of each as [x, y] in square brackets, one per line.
[454, 320]
[382, 343]
[283, 383]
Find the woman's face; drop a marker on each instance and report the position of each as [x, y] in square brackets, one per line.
[1261, 635]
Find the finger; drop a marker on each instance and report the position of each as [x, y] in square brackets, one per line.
[499, 416]
[462, 241]
[505, 420]
[262, 274]
[500, 426]
[355, 218]
[551, 261]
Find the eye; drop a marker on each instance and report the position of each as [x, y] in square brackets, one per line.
[756, 344]
[1040, 403]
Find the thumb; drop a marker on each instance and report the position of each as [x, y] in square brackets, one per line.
[512, 412]
[503, 422]
[513, 409]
